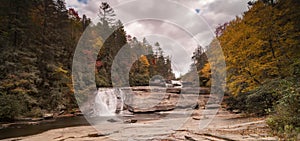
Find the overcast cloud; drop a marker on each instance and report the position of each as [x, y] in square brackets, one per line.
[175, 24]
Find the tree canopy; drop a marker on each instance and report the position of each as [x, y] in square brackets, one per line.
[37, 41]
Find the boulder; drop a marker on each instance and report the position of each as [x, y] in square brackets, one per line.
[174, 90]
[155, 102]
[112, 120]
[196, 117]
[36, 119]
[48, 116]
[130, 121]
[236, 111]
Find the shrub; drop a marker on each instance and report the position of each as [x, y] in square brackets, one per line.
[285, 122]
[260, 103]
[236, 102]
[35, 112]
[262, 100]
[9, 107]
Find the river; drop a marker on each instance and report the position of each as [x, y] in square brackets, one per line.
[18, 130]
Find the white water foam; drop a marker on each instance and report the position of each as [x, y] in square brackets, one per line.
[109, 102]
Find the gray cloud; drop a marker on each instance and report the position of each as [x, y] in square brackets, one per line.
[174, 23]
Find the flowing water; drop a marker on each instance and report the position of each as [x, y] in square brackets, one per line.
[22, 129]
[107, 106]
[108, 102]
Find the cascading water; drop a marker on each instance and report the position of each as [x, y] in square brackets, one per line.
[120, 101]
[108, 102]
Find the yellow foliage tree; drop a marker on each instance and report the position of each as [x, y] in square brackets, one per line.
[260, 46]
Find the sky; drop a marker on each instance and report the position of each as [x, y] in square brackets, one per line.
[178, 25]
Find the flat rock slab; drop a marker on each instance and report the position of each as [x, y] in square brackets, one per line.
[165, 128]
[141, 102]
[184, 90]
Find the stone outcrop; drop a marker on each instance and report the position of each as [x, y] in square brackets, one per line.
[142, 102]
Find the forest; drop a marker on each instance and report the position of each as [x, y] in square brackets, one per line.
[262, 55]
[38, 40]
[261, 49]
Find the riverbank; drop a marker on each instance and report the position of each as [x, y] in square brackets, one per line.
[49, 117]
[172, 117]
[225, 126]
[31, 126]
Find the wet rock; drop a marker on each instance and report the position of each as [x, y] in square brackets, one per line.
[189, 138]
[61, 112]
[36, 119]
[66, 115]
[212, 106]
[112, 120]
[174, 90]
[48, 116]
[236, 111]
[78, 114]
[130, 121]
[144, 89]
[33, 123]
[196, 117]
[97, 135]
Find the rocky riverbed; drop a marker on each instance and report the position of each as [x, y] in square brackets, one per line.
[224, 127]
[172, 117]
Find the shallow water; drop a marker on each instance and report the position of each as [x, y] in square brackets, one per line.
[26, 130]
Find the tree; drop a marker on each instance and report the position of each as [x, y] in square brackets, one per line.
[38, 41]
[139, 74]
[199, 58]
[115, 38]
[262, 55]
[256, 48]
[106, 14]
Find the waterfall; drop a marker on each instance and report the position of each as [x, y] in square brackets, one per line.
[108, 102]
[120, 101]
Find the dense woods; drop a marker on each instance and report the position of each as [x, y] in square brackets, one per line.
[38, 40]
[262, 57]
[262, 54]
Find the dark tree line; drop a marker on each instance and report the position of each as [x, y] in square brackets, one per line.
[38, 38]
[145, 63]
[37, 41]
